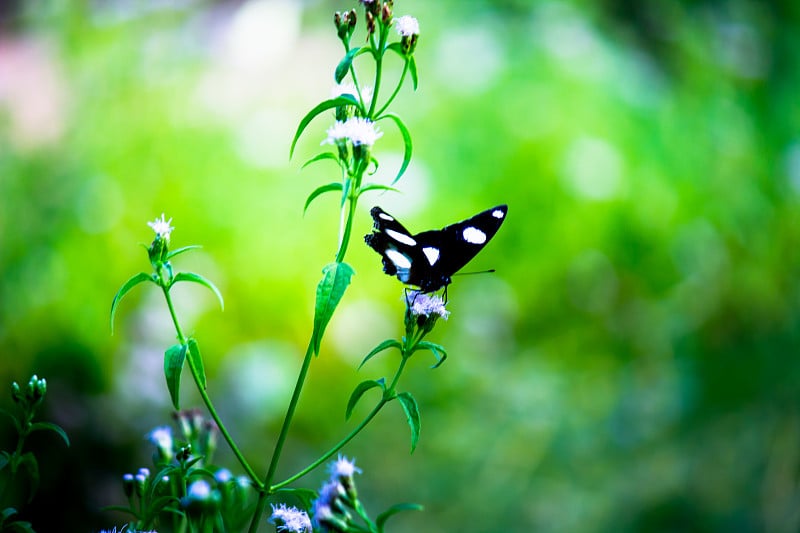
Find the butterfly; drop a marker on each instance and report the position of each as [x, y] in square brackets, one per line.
[429, 259]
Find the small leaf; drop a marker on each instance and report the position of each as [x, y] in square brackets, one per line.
[177, 251]
[141, 277]
[411, 409]
[376, 187]
[412, 68]
[6, 513]
[30, 463]
[20, 526]
[385, 345]
[437, 350]
[196, 361]
[345, 99]
[320, 157]
[344, 65]
[306, 496]
[359, 391]
[52, 427]
[173, 364]
[335, 186]
[406, 142]
[197, 278]
[393, 510]
[336, 277]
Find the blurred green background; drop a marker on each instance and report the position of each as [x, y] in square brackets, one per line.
[632, 365]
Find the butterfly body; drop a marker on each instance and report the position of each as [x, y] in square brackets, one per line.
[429, 259]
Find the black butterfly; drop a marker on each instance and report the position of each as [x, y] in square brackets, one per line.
[430, 258]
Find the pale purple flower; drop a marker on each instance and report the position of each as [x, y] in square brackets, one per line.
[423, 304]
[292, 519]
[406, 26]
[199, 491]
[343, 467]
[223, 475]
[162, 227]
[161, 437]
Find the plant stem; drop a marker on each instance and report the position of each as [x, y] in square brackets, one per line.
[396, 90]
[207, 399]
[338, 446]
[287, 421]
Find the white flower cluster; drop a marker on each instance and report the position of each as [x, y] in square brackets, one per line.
[291, 518]
[406, 26]
[162, 227]
[360, 131]
[422, 304]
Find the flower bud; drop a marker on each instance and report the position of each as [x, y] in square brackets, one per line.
[16, 393]
[370, 23]
[200, 498]
[128, 484]
[386, 13]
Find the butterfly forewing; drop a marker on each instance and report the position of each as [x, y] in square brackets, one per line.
[428, 259]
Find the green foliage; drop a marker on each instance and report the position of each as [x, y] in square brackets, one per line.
[335, 279]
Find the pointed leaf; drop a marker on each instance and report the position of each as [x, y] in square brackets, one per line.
[141, 277]
[173, 364]
[344, 65]
[320, 157]
[411, 409]
[376, 187]
[385, 345]
[437, 350]
[359, 391]
[6, 513]
[306, 496]
[345, 99]
[177, 251]
[336, 277]
[393, 510]
[406, 142]
[197, 278]
[196, 361]
[412, 68]
[52, 427]
[20, 526]
[336, 186]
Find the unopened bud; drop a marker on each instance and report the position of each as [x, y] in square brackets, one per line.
[386, 14]
[128, 484]
[370, 23]
[16, 392]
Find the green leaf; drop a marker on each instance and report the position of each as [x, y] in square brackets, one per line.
[320, 157]
[306, 496]
[393, 510]
[20, 526]
[52, 427]
[406, 142]
[196, 361]
[412, 68]
[335, 186]
[30, 463]
[141, 277]
[437, 350]
[173, 364]
[120, 509]
[344, 65]
[6, 513]
[411, 409]
[385, 345]
[177, 251]
[345, 99]
[359, 391]
[336, 277]
[4, 458]
[197, 278]
[13, 418]
[376, 187]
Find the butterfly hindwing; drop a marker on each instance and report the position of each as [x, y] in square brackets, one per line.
[428, 259]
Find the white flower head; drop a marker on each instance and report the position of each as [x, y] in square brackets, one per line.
[292, 519]
[407, 26]
[423, 304]
[349, 88]
[360, 131]
[199, 491]
[161, 437]
[343, 467]
[161, 227]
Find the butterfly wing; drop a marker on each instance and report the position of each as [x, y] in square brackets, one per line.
[449, 249]
[397, 246]
[430, 258]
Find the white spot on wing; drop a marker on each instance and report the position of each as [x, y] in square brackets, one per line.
[384, 216]
[399, 260]
[498, 213]
[401, 237]
[431, 253]
[473, 235]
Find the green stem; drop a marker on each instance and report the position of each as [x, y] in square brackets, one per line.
[206, 399]
[379, 51]
[396, 90]
[287, 421]
[338, 446]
